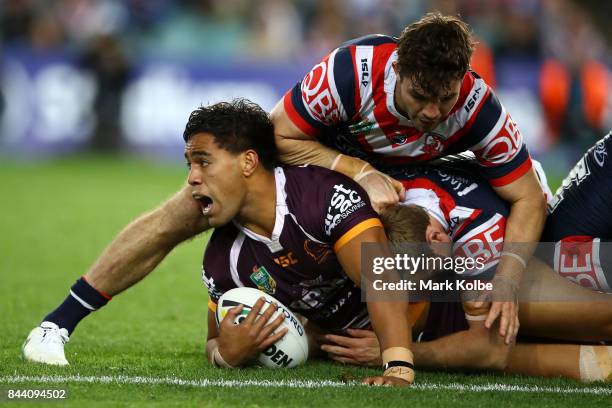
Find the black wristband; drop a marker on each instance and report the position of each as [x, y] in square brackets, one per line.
[398, 363]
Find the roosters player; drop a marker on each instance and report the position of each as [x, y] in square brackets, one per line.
[378, 104]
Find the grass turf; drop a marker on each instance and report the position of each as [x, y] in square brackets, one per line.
[57, 216]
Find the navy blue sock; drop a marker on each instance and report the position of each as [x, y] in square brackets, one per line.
[82, 300]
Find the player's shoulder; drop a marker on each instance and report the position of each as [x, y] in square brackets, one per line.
[216, 255]
[372, 40]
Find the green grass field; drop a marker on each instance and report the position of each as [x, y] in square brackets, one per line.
[146, 346]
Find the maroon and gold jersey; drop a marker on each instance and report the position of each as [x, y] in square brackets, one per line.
[317, 212]
[347, 102]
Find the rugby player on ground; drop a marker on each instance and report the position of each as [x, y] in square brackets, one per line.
[378, 104]
[457, 208]
[295, 232]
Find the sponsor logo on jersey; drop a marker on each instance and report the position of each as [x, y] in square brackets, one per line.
[577, 259]
[433, 145]
[317, 95]
[262, 279]
[504, 146]
[318, 252]
[484, 242]
[365, 74]
[213, 292]
[399, 138]
[286, 260]
[344, 201]
[576, 176]
[600, 153]
[471, 102]
[361, 128]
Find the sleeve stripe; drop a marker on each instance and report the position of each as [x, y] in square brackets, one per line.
[295, 117]
[356, 230]
[512, 176]
[212, 306]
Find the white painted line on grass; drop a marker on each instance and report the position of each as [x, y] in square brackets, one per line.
[203, 383]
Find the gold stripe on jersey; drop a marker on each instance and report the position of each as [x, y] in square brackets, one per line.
[356, 230]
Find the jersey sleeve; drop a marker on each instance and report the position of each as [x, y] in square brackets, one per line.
[497, 143]
[215, 267]
[325, 97]
[347, 210]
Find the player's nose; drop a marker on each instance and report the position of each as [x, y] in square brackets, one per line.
[194, 178]
[431, 111]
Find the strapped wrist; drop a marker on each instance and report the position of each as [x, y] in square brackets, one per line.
[217, 359]
[398, 362]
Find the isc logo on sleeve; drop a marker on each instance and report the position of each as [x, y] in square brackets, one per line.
[344, 201]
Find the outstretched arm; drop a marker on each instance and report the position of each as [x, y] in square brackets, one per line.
[297, 148]
[142, 245]
[523, 230]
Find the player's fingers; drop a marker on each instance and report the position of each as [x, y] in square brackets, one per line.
[270, 340]
[230, 317]
[504, 321]
[517, 325]
[511, 334]
[337, 350]
[399, 189]
[254, 311]
[493, 314]
[360, 333]
[343, 360]
[374, 380]
[265, 316]
[269, 328]
[342, 340]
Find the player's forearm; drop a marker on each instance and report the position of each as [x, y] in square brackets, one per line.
[523, 231]
[144, 243]
[299, 151]
[391, 323]
[462, 350]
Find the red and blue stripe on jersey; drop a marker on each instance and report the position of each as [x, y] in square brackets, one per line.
[350, 94]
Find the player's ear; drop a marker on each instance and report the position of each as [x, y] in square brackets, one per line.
[395, 68]
[249, 162]
[433, 235]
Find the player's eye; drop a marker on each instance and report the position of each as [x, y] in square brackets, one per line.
[188, 164]
[418, 97]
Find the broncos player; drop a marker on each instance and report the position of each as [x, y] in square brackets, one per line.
[266, 219]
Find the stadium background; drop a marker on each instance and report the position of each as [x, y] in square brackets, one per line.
[94, 96]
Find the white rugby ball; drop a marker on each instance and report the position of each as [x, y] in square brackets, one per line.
[288, 352]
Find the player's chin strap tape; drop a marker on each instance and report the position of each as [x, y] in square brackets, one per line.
[217, 360]
[398, 362]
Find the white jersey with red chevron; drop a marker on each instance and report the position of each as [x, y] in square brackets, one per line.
[347, 101]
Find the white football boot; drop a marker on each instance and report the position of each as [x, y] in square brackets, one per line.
[45, 344]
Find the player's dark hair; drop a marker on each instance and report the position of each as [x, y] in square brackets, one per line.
[434, 51]
[236, 126]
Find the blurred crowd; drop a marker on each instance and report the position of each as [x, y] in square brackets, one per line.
[570, 39]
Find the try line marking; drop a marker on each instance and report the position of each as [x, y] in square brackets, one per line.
[204, 383]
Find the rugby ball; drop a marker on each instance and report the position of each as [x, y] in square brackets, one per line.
[288, 352]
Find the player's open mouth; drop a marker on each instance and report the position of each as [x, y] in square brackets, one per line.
[206, 203]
